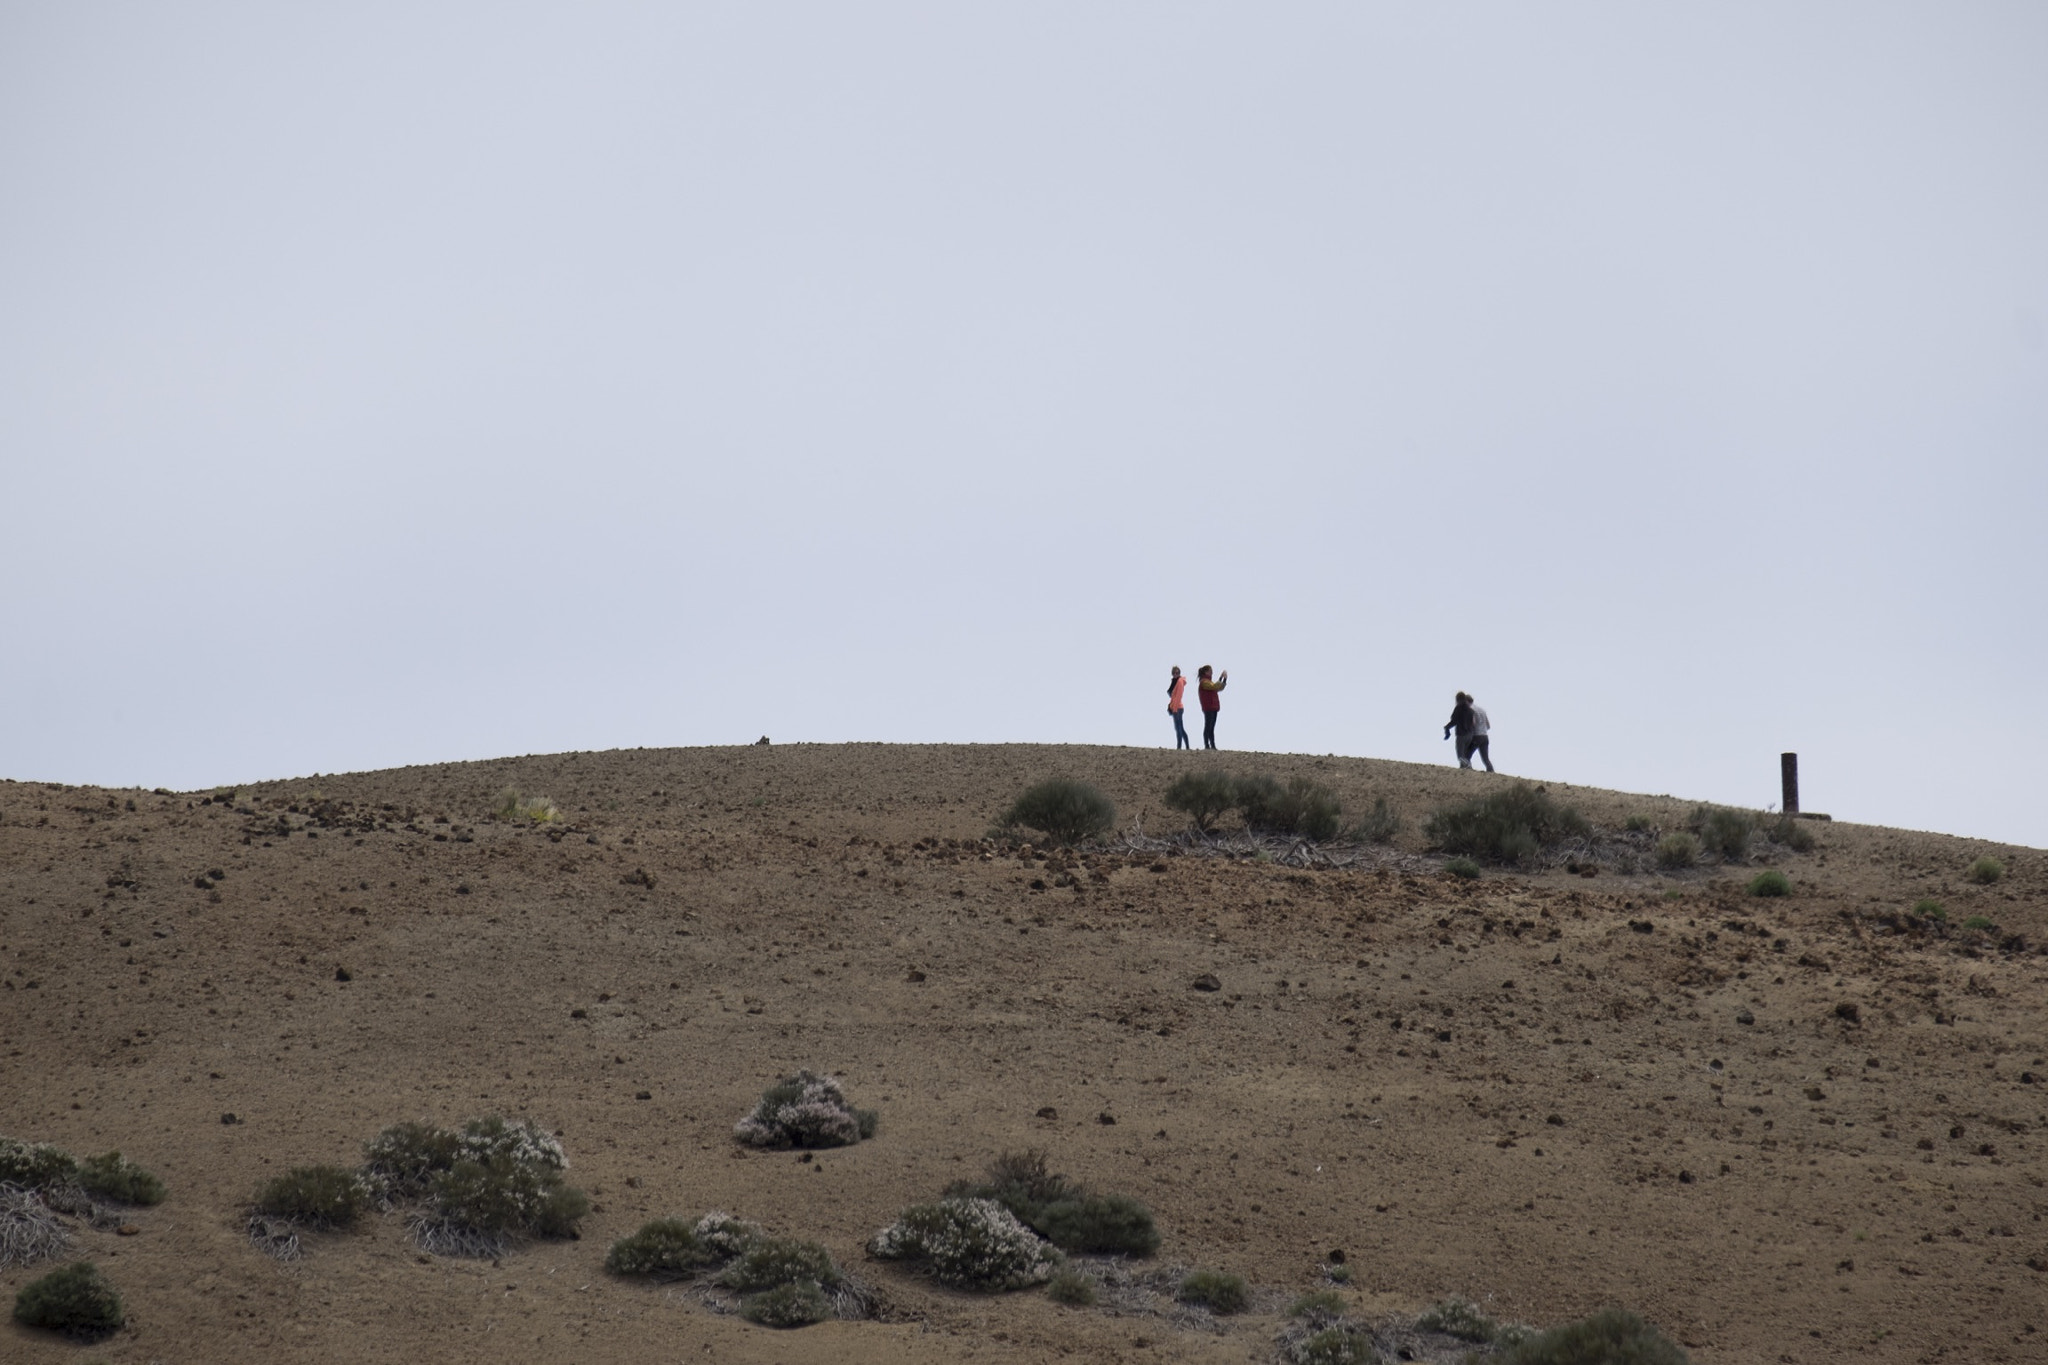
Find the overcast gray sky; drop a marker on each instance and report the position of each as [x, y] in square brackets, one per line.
[398, 383]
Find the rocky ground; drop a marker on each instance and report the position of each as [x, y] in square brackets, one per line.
[1807, 1129]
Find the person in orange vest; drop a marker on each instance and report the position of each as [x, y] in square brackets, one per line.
[1176, 685]
[1211, 693]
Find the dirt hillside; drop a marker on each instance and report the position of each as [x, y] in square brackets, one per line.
[1806, 1129]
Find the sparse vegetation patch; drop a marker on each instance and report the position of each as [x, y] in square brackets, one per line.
[1724, 831]
[315, 1197]
[29, 1230]
[1215, 1290]
[1612, 1336]
[1678, 850]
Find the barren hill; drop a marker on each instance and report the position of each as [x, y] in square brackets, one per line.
[1804, 1129]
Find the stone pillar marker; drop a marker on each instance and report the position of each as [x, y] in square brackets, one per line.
[1788, 772]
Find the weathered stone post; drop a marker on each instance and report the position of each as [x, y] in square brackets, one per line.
[1788, 770]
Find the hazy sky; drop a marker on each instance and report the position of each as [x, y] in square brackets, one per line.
[397, 383]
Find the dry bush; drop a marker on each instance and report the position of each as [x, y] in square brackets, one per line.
[29, 1230]
[1678, 850]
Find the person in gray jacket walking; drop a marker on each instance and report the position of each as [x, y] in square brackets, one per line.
[1480, 727]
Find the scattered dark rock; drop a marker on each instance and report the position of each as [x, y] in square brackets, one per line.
[1849, 1012]
[579, 1014]
[1744, 1017]
[1685, 1177]
[1206, 982]
[229, 1118]
[1106, 1119]
[1642, 926]
[1336, 1256]
[1555, 1120]
[1038, 883]
[1815, 1093]
[639, 876]
[913, 975]
[343, 974]
[643, 1094]
[1048, 1112]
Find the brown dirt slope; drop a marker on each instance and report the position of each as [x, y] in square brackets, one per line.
[1545, 1091]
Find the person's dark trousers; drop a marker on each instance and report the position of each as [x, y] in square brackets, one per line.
[1479, 748]
[1209, 729]
[1180, 733]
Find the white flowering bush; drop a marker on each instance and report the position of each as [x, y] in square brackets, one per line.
[969, 1244]
[35, 1165]
[480, 1186]
[805, 1110]
[724, 1235]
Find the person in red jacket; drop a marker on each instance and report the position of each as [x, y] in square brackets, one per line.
[1176, 685]
[1211, 691]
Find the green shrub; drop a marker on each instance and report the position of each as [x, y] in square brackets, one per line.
[1612, 1336]
[1507, 826]
[1793, 834]
[1069, 1215]
[1930, 909]
[1979, 922]
[808, 1111]
[1678, 850]
[502, 1195]
[1216, 1291]
[972, 1244]
[317, 1196]
[1258, 800]
[1317, 1303]
[1099, 1224]
[1066, 811]
[1636, 824]
[1070, 1287]
[1772, 883]
[1986, 870]
[35, 1165]
[111, 1177]
[1462, 867]
[1341, 1344]
[74, 1299]
[405, 1158]
[665, 1247]
[1380, 826]
[1724, 831]
[780, 1260]
[1202, 797]
[1458, 1318]
[797, 1303]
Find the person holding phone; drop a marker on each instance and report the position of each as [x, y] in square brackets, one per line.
[1211, 692]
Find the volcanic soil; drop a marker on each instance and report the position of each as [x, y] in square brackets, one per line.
[1803, 1129]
